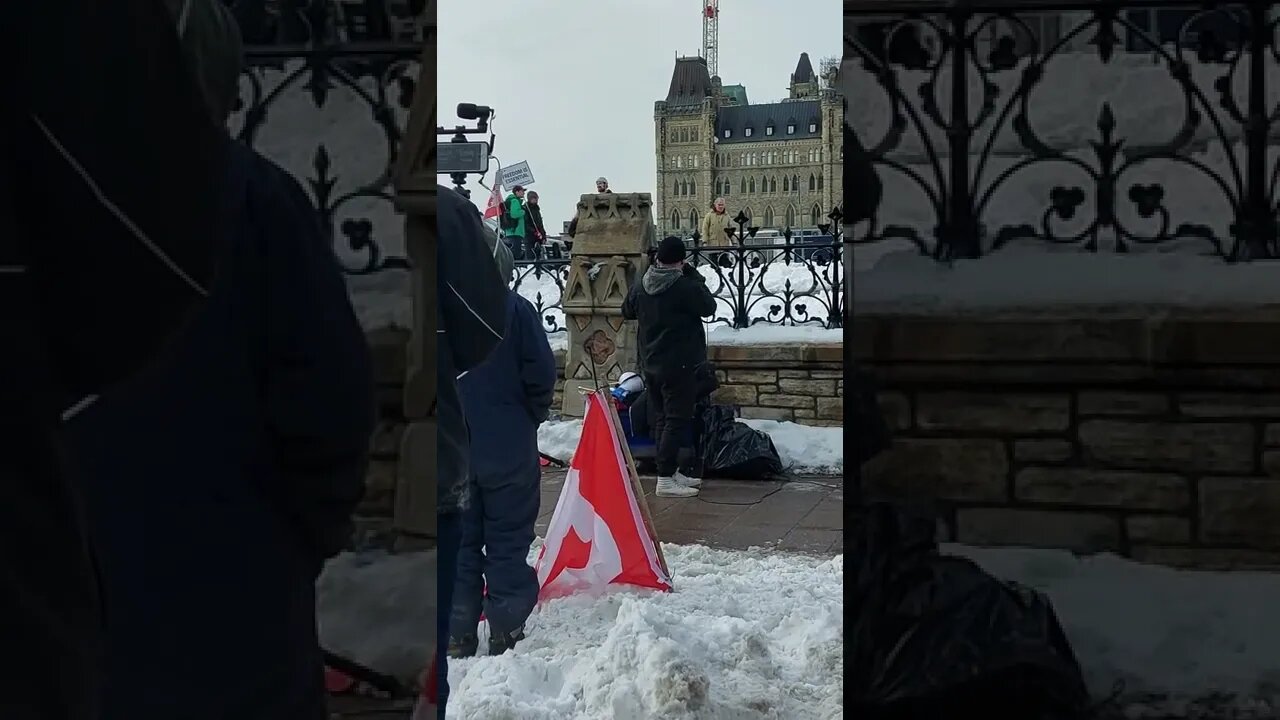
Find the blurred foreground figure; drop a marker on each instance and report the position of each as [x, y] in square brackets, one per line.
[110, 196]
[220, 481]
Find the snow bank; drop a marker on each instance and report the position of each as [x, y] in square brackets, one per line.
[380, 610]
[745, 635]
[804, 449]
[1027, 280]
[1163, 632]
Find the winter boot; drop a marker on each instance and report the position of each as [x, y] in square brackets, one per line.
[500, 642]
[670, 487]
[463, 647]
[690, 482]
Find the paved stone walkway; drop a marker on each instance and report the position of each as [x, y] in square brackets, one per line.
[806, 515]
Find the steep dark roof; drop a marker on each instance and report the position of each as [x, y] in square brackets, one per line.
[804, 70]
[690, 82]
[739, 117]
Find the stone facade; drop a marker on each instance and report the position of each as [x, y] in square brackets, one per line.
[801, 383]
[787, 172]
[1154, 436]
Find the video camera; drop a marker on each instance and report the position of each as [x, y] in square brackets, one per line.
[460, 157]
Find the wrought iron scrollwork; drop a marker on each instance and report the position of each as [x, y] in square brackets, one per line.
[1216, 58]
[303, 46]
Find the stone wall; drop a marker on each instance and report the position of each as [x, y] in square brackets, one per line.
[802, 383]
[1156, 436]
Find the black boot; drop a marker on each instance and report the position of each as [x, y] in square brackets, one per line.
[500, 642]
[463, 647]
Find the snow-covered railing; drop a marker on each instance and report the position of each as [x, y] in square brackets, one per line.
[326, 95]
[1114, 125]
[758, 280]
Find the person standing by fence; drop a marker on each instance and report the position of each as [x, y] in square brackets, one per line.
[669, 302]
[514, 222]
[713, 229]
[536, 239]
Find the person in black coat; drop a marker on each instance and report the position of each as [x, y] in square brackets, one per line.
[536, 232]
[470, 316]
[669, 303]
[111, 204]
[506, 398]
[219, 482]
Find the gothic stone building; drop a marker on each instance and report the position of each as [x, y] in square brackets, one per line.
[779, 162]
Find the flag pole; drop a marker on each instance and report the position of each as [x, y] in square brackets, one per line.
[633, 475]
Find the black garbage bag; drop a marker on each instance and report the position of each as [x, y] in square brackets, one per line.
[936, 638]
[731, 449]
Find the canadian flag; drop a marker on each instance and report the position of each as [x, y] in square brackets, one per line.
[494, 205]
[597, 535]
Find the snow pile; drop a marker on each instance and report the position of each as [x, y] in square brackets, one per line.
[745, 635]
[380, 610]
[1174, 635]
[804, 449]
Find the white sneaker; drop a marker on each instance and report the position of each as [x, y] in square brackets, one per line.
[668, 487]
[682, 479]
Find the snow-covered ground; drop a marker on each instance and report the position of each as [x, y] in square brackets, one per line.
[753, 634]
[804, 449]
[759, 634]
[1179, 634]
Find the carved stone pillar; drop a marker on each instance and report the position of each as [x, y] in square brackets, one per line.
[614, 234]
[415, 504]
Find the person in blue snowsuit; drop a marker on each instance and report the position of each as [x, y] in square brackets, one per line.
[505, 398]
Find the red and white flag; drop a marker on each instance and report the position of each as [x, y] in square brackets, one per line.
[597, 535]
[494, 205]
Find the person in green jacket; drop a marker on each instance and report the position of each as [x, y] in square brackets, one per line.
[514, 237]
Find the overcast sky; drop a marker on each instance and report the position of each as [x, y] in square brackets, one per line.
[573, 82]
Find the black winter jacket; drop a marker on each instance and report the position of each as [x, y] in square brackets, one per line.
[670, 303]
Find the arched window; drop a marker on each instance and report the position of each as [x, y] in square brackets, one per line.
[675, 187]
[773, 184]
[675, 136]
[813, 183]
[747, 212]
[684, 187]
[819, 182]
[751, 185]
[768, 217]
[693, 187]
[693, 219]
[675, 219]
[684, 135]
[791, 217]
[742, 186]
[815, 216]
[795, 183]
[786, 184]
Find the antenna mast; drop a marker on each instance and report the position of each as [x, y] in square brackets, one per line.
[711, 34]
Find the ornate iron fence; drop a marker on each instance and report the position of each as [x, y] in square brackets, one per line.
[964, 87]
[784, 281]
[315, 48]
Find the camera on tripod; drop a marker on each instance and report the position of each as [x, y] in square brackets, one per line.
[459, 156]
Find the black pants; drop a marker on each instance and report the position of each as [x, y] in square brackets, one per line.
[671, 401]
[532, 249]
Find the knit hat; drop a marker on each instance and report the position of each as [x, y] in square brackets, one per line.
[671, 250]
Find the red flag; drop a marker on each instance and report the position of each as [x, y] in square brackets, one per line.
[492, 209]
[597, 535]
